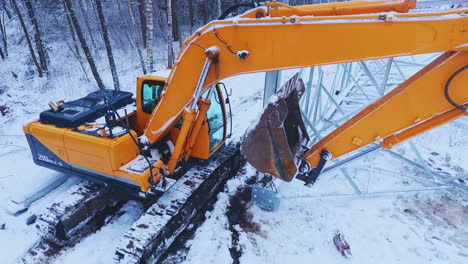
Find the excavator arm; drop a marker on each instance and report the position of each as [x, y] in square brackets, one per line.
[412, 108]
[267, 43]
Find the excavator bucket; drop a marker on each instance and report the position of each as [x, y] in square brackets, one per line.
[273, 143]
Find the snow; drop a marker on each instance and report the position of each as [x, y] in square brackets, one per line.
[144, 140]
[165, 126]
[138, 164]
[243, 54]
[161, 73]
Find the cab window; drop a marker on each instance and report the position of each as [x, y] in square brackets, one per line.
[216, 119]
[151, 95]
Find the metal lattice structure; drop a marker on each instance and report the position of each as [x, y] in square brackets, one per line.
[334, 94]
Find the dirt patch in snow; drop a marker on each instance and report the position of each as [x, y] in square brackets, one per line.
[239, 216]
[238, 211]
[447, 218]
[4, 110]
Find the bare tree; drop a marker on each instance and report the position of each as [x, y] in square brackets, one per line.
[88, 27]
[170, 51]
[4, 35]
[149, 35]
[192, 14]
[219, 10]
[205, 11]
[43, 56]
[84, 45]
[8, 12]
[28, 38]
[176, 34]
[141, 9]
[105, 35]
[135, 30]
[72, 32]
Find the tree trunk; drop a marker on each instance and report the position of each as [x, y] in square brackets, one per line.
[192, 14]
[28, 39]
[84, 45]
[72, 31]
[1, 54]
[149, 34]
[105, 35]
[219, 10]
[7, 11]
[175, 21]
[43, 56]
[4, 35]
[205, 12]
[88, 28]
[137, 42]
[170, 51]
[141, 9]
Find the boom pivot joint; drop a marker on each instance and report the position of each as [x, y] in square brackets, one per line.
[311, 177]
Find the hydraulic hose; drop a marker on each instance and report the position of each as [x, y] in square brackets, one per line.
[447, 86]
[234, 7]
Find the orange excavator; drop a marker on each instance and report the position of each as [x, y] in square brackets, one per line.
[184, 116]
[145, 145]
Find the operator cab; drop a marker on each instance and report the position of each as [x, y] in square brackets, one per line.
[212, 134]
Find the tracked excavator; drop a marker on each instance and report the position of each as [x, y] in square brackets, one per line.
[169, 140]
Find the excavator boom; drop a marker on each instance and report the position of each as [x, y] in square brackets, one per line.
[269, 43]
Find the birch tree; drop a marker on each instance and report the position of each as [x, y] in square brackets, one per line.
[28, 38]
[149, 35]
[219, 10]
[84, 45]
[105, 36]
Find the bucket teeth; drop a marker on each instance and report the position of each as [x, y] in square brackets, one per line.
[271, 146]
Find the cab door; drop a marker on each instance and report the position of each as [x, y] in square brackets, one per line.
[216, 117]
[149, 91]
[212, 134]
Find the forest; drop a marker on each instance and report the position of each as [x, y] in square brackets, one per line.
[144, 34]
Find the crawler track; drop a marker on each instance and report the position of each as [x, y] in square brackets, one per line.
[86, 207]
[83, 210]
[153, 233]
[72, 209]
